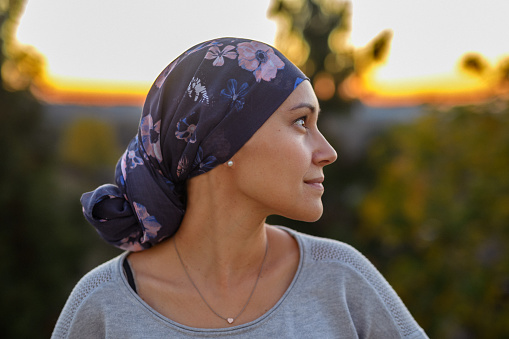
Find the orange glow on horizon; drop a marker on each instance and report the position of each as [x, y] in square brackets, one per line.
[89, 92]
[446, 90]
[367, 88]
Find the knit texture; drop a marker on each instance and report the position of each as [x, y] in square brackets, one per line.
[327, 250]
[86, 287]
[336, 293]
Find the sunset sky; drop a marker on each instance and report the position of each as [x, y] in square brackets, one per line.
[119, 47]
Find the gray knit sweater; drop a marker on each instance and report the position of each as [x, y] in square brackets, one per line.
[336, 293]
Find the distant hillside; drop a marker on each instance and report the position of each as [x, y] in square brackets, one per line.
[124, 119]
[350, 131]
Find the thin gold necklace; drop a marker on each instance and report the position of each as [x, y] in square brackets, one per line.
[230, 320]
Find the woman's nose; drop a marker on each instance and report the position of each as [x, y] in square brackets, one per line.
[324, 154]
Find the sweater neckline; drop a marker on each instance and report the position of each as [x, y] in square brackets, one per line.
[141, 303]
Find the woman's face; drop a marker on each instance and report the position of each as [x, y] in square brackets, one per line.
[281, 167]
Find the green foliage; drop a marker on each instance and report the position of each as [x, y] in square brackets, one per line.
[47, 245]
[37, 247]
[437, 219]
[89, 144]
[20, 65]
[45, 242]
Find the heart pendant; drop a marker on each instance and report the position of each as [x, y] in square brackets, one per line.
[229, 320]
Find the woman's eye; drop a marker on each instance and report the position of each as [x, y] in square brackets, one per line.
[301, 122]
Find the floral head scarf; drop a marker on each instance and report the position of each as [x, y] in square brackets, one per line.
[199, 112]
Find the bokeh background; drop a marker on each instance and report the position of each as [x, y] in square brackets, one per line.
[414, 98]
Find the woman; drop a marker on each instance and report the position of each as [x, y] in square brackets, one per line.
[228, 136]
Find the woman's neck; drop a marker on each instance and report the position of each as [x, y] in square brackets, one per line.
[222, 246]
[221, 236]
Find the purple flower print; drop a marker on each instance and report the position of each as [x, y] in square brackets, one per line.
[130, 244]
[150, 224]
[215, 52]
[135, 160]
[182, 165]
[260, 59]
[150, 137]
[235, 95]
[186, 128]
[204, 45]
[204, 165]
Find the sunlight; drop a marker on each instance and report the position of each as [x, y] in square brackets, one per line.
[109, 42]
[96, 45]
[429, 39]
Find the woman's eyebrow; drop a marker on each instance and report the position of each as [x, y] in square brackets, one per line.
[311, 107]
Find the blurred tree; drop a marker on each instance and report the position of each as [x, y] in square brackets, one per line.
[437, 219]
[39, 251]
[315, 34]
[21, 65]
[495, 76]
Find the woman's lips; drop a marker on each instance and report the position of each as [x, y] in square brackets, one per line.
[315, 183]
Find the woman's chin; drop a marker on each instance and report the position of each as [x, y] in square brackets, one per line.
[310, 215]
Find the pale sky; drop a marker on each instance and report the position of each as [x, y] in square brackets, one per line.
[430, 36]
[122, 41]
[125, 40]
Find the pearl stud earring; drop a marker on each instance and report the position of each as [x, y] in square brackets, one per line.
[230, 163]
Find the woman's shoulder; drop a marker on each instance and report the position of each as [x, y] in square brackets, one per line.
[324, 249]
[98, 276]
[338, 256]
[348, 269]
[329, 256]
[95, 280]
[90, 290]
